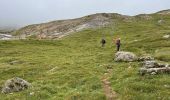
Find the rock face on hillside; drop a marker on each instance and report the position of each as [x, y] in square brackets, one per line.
[164, 12]
[61, 28]
[144, 16]
[57, 29]
[125, 56]
[15, 85]
[5, 37]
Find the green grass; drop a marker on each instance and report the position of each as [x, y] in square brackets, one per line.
[71, 68]
[163, 54]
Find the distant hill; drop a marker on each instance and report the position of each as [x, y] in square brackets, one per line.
[7, 30]
[60, 28]
[164, 12]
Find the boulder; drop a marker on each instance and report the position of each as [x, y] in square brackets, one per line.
[152, 67]
[154, 71]
[125, 56]
[15, 85]
[150, 64]
[153, 64]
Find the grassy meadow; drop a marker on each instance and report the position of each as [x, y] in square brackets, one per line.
[71, 68]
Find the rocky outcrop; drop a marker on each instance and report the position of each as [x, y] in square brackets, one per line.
[144, 16]
[153, 67]
[60, 28]
[150, 64]
[5, 37]
[145, 58]
[164, 12]
[125, 56]
[154, 71]
[15, 85]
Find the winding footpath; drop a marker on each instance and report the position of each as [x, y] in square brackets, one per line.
[109, 93]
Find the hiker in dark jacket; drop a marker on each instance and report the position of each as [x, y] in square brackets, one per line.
[118, 44]
[103, 42]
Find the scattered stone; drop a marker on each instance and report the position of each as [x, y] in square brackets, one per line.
[161, 21]
[11, 93]
[166, 36]
[15, 62]
[32, 93]
[167, 86]
[130, 67]
[142, 71]
[15, 85]
[125, 56]
[152, 67]
[5, 37]
[136, 40]
[150, 64]
[145, 58]
[154, 71]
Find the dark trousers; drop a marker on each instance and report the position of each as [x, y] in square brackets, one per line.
[103, 44]
[118, 47]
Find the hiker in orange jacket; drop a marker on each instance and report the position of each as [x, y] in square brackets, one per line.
[118, 43]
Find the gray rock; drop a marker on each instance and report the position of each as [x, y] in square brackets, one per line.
[166, 36]
[161, 21]
[150, 64]
[15, 85]
[5, 37]
[142, 71]
[145, 58]
[125, 56]
[167, 65]
[161, 65]
[154, 71]
[15, 62]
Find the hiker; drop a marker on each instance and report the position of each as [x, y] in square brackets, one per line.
[103, 42]
[118, 44]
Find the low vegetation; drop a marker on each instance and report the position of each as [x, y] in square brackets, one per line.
[71, 68]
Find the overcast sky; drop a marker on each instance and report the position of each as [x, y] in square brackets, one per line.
[24, 12]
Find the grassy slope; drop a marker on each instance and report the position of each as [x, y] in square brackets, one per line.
[71, 68]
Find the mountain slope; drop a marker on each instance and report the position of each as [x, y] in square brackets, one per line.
[63, 27]
[58, 29]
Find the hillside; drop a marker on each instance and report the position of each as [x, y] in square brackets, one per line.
[57, 29]
[73, 67]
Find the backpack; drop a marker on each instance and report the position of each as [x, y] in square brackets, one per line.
[103, 41]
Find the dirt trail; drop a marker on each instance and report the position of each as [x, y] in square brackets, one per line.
[110, 94]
